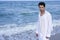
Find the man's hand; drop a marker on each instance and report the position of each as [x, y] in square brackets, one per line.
[36, 34]
[47, 37]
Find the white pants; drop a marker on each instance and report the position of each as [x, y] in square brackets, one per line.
[47, 39]
[42, 38]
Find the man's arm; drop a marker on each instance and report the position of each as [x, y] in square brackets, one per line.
[37, 25]
[49, 26]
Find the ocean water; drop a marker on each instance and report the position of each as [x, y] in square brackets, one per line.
[18, 19]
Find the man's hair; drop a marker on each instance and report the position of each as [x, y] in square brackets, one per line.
[41, 3]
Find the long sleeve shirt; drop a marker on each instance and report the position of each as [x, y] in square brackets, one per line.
[44, 24]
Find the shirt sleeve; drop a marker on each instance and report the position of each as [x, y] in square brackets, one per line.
[37, 26]
[50, 27]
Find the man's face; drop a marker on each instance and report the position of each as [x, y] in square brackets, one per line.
[42, 8]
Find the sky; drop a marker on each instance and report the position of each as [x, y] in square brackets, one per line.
[29, 0]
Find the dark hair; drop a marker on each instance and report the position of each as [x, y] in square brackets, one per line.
[41, 3]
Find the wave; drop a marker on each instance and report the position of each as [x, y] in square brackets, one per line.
[23, 32]
[14, 30]
[56, 23]
[10, 29]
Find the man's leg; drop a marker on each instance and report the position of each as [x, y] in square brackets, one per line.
[40, 38]
[47, 39]
[44, 38]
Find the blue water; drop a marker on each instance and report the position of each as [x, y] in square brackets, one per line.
[16, 14]
[25, 12]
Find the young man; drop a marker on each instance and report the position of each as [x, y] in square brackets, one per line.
[44, 25]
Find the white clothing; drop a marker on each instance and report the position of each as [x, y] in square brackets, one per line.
[44, 25]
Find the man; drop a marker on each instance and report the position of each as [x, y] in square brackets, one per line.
[44, 25]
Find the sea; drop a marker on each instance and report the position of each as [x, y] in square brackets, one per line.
[18, 19]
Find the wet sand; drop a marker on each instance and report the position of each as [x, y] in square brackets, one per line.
[55, 37]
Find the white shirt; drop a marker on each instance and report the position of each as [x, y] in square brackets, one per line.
[44, 24]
